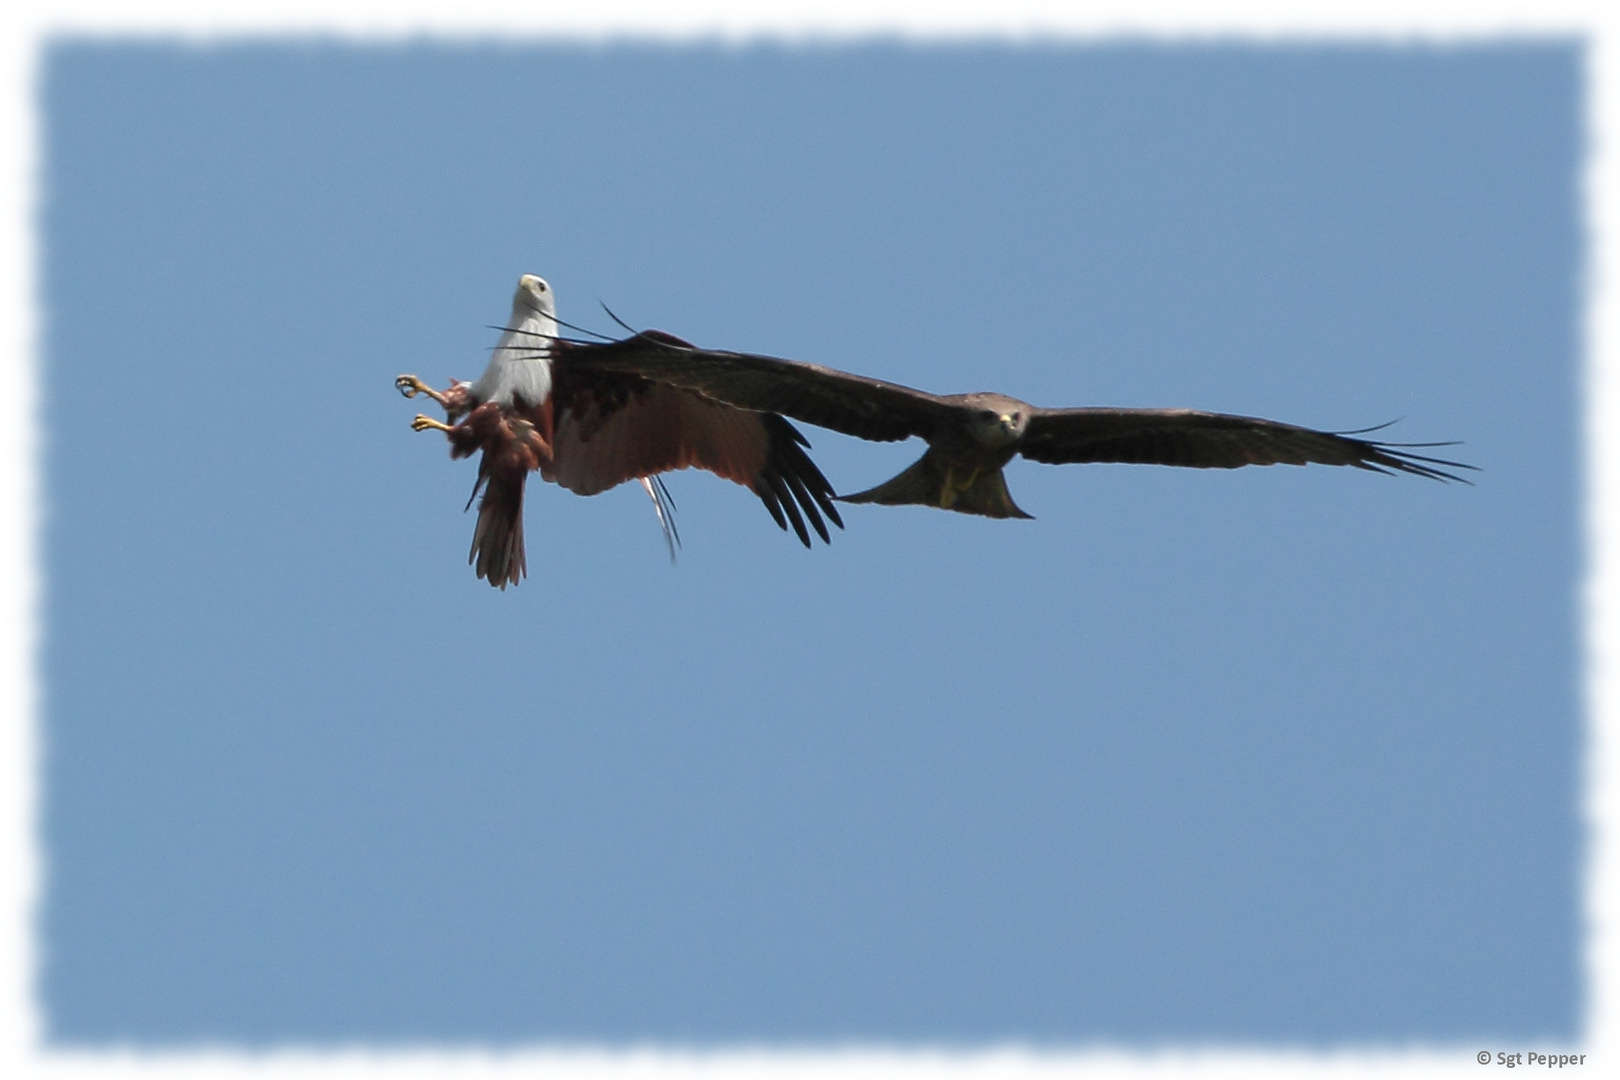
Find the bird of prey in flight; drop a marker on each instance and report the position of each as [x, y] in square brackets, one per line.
[972, 436]
[542, 405]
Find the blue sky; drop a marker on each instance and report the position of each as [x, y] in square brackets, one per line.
[1274, 757]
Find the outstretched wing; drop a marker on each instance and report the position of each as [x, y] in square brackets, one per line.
[613, 427]
[1205, 440]
[849, 404]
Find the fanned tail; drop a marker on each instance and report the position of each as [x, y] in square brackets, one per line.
[497, 545]
[929, 483]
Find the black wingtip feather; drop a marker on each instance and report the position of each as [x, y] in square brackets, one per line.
[784, 498]
[768, 497]
[796, 485]
[793, 483]
[1390, 458]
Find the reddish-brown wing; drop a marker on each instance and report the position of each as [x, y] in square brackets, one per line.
[612, 427]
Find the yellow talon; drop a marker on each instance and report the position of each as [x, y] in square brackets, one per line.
[410, 386]
[424, 423]
[954, 487]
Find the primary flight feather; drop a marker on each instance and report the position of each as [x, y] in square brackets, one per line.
[972, 436]
[543, 405]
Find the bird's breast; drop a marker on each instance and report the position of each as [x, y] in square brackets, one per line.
[515, 376]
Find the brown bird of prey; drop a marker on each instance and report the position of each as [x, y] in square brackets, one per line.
[971, 436]
[542, 405]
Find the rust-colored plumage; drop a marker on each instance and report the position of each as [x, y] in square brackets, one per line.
[542, 406]
[514, 444]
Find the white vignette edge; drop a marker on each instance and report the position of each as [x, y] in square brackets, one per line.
[29, 26]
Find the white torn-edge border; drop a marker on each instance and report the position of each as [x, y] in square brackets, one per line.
[26, 28]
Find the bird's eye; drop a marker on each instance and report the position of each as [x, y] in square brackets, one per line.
[986, 414]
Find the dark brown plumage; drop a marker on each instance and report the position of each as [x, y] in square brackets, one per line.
[542, 406]
[972, 436]
[513, 447]
[613, 427]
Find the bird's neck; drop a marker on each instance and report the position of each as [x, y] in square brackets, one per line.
[519, 371]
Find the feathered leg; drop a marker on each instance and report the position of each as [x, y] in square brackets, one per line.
[453, 401]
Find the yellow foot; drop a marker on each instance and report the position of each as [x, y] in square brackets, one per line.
[410, 386]
[954, 487]
[426, 423]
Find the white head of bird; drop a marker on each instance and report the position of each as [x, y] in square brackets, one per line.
[521, 364]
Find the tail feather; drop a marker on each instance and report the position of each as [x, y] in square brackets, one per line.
[929, 482]
[497, 545]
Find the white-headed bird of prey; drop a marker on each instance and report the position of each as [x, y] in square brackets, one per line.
[972, 436]
[541, 405]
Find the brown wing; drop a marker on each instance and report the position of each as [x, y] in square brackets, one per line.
[1205, 440]
[612, 427]
[849, 404]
